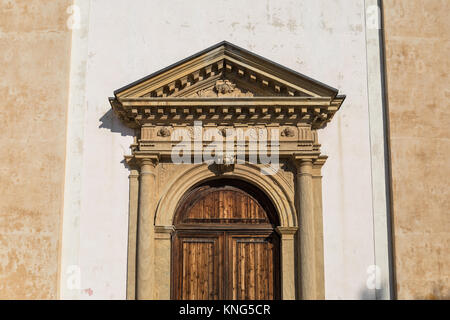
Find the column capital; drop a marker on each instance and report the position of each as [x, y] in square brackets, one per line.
[304, 158]
[139, 159]
[286, 232]
[145, 158]
[317, 166]
[164, 232]
[132, 165]
[320, 161]
[305, 163]
[164, 229]
[131, 162]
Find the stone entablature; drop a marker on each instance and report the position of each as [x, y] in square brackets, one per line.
[135, 112]
[287, 139]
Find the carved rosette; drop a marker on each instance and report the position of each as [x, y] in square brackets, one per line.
[163, 132]
[288, 132]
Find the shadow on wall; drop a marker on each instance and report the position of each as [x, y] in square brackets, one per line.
[111, 122]
[439, 291]
[366, 294]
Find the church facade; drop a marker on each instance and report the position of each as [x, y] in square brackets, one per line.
[232, 151]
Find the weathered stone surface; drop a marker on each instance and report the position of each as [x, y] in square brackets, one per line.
[417, 44]
[34, 59]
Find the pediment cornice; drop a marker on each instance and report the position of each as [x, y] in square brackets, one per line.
[226, 83]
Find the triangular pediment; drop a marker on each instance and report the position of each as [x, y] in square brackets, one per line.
[228, 66]
[226, 84]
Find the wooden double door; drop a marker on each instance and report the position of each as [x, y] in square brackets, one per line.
[224, 246]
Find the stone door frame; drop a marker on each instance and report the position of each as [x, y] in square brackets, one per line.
[225, 87]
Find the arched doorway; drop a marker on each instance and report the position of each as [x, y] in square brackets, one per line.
[225, 245]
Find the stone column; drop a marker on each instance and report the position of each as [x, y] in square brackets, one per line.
[318, 222]
[306, 236]
[163, 240]
[132, 231]
[287, 262]
[145, 228]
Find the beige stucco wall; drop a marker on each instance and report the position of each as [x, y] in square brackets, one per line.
[34, 64]
[417, 44]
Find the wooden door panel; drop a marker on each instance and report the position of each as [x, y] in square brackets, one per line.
[199, 267]
[252, 267]
[225, 246]
[223, 206]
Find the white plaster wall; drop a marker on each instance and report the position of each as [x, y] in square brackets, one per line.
[323, 39]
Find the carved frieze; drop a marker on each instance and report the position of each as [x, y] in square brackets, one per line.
[223, 88]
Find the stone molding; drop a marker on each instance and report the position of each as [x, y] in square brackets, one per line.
[274, 186]
[287, 232]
